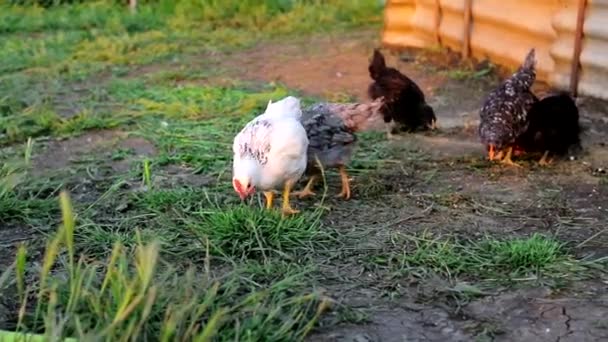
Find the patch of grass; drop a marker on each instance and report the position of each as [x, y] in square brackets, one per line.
[371, 150]
[519, 255]
[187, 223]
[246, 232]
[489, 260]
[164, 200]
[138, 296]
[195, 125]
[122, 153]
[41, 120]
[16, 205]
[87, 35]
[47, 50]
[225, 110]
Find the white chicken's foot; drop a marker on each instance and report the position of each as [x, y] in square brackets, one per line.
[286, 208]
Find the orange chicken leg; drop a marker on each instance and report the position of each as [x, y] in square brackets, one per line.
[507, 159]
[345, 193]
[307, 191]
[286, 208]
[545, 160]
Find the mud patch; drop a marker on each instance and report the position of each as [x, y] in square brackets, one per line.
[535, 315]
[10, 237]
[61, 154]
[329, 66]
[419, 323]
[173, 176]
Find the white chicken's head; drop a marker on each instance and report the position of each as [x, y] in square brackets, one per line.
[244, 175]
[243, 187]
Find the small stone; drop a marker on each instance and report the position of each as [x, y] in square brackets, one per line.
[122, 206]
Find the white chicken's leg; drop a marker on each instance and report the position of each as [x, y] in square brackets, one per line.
[287, 209]
[269, 198]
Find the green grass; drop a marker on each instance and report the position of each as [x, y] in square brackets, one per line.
[486, 261]
[136, 259]
[46, 51]
[20, 207]
[138, 296]
[70, 39]
[254, 233]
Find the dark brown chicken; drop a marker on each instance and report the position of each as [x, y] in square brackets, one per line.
[553, 128]
[331, 129]
[504, 115]
[405, 106]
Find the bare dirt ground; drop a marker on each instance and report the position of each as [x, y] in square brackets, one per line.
[439, 183]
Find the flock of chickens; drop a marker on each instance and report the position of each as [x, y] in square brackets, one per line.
[275, 149]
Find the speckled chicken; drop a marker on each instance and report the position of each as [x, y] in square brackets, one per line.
[331, 128]
[504, 115]
[405, 106]
[553, 127]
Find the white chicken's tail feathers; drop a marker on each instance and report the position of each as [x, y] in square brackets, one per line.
[286, 107]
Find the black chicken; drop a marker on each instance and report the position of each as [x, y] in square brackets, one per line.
[504, 115]
[405, 106]
[553, 127]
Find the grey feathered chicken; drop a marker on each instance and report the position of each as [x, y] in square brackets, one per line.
[331, 128]
[504, 115]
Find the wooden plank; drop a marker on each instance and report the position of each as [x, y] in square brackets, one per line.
[578, 41]
[466, 39]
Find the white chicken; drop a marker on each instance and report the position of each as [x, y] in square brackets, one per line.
[270, 153]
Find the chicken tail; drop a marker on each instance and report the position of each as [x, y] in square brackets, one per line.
[525, 76]
[360, 117]
[377, 66]
[530, 61]
[288, 106]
